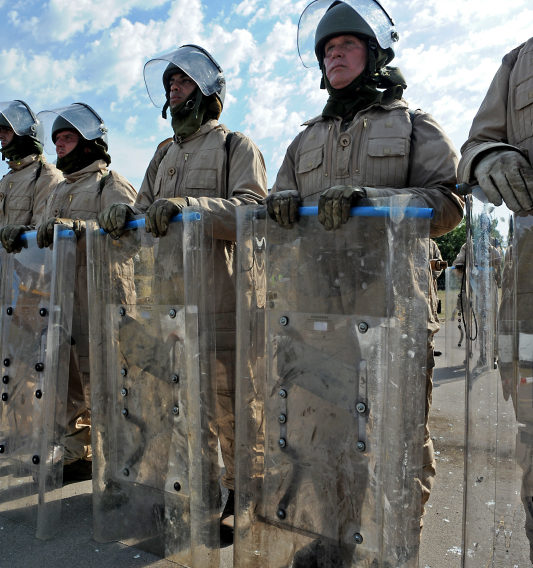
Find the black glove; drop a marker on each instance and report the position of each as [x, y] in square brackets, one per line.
[45, 231]
[113, 219]
[507, 174]
[335, 203]
[282, 206]
[10, 237]
[159, 214]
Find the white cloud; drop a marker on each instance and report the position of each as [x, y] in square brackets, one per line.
[130, 124]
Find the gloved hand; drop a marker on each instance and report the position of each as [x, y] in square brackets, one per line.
[113, 219]
[45, 231]
[282, 206]
[507, 175]
[160, 213]
[335, 203]
[10, 237]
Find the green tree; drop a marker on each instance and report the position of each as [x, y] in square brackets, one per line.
[449, 245]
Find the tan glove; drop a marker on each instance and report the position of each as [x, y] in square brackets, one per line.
[10, 237]
[45, 231]
[113, 219]
[335, 203]
[507, 175]
[282, 206]
[159, 214]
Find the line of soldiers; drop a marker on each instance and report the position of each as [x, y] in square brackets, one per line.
[366, 143]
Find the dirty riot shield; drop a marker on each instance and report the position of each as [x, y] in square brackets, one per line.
[332, 348]
[498, 461]
[37, 287]
[455, 339]
[155, 472]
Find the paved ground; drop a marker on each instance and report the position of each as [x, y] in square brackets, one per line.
[441, 539]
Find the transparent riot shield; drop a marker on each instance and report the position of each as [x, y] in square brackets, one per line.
[36, 301]
[332, 351]
[455, 339]
[498, 510]
[155, 464]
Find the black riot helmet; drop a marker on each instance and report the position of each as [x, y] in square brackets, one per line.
[18, 116]
[322, 20]
[194, 61]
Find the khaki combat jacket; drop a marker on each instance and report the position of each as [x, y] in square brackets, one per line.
[25, 188]
[505, 118]
[389, 151]
[384, 148]
[82, 195]
[197, 168]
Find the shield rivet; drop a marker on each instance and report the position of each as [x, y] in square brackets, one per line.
[363, 327]
[283, 320]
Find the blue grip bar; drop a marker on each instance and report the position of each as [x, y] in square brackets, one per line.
[27, 235]
[365, 211]
[137, 223]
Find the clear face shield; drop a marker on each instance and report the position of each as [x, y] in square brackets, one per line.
[193, 61]
[370, 10]
[78, 116]
[21, 119]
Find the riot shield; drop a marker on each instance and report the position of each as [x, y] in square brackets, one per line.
[455, 339]
[498, 464]
[155, 468]
[37, 295]
[332, 352]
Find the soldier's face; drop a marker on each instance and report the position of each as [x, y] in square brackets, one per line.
[181, 87]
[6, 135]
[344, 59]
[66, 141]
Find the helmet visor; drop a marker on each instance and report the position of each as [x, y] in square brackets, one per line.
[194, 62]
[21, 119]
[78, 116]
[370, 10]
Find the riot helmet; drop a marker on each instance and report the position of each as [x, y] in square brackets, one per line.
[79, 117]
[18, 116]
[322, 20]
[194, 61]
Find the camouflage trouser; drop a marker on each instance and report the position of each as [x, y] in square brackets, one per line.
[77, 439]
[524, 457]
[225, 412]
[427, 478]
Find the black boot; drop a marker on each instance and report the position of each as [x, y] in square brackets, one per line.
[227, 521]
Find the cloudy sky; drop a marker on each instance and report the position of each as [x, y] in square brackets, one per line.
[58, 52]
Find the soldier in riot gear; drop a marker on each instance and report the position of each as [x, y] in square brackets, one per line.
[366, 142]
[80, 139]
[24, 189]
[203, 165]
[498, 156]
